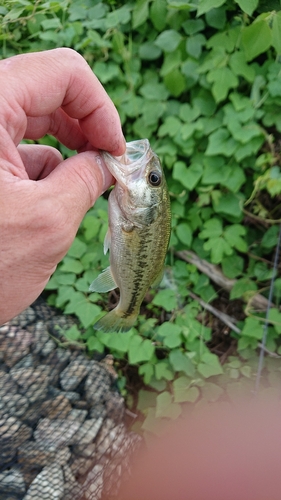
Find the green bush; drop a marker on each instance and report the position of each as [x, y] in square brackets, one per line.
[202, 81]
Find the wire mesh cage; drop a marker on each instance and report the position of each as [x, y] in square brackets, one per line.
[62, 428]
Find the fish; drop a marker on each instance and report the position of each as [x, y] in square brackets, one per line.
[138, 235]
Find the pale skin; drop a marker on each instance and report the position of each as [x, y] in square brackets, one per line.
[44, 198]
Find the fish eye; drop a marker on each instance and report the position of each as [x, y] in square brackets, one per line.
[154, 178]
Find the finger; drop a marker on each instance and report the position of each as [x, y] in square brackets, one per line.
[58, 124]
[58, 78]
[76, 184]
[39, 160]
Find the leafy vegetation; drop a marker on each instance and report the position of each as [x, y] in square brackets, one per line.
[202, 81]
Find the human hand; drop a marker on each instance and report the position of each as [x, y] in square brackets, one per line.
[43, 198]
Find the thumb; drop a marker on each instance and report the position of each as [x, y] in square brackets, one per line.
[77, 182]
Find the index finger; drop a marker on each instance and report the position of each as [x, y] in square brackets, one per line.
[37, 84]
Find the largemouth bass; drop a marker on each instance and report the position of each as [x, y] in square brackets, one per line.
[138, 234]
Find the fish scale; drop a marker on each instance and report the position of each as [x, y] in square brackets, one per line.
[139, 232]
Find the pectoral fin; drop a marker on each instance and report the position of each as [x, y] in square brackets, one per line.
[107, 242]
[104, 282]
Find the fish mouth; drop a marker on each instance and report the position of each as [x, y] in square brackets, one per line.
[138, 153]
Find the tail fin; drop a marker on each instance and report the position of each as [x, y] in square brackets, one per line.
[115, 322]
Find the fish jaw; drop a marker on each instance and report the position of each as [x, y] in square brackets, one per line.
[132, 164]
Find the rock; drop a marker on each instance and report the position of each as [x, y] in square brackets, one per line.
[98, 410]
[26, 362]
[72, 489]
[72, 375]
[58, 407]
[81, 465]
[12, 434]
[32, 382]
[56, 433]
[14, 345]
[13, 404]
[111, 439]
[72, 396]
[43, 343]
[97, 384]
[115, 406]
[32, 454]
[12, 481]
[93, 486]
[48, 484]
[77, 415]
[7, 384]
[58, 359]
[87, 431]
[85, 450]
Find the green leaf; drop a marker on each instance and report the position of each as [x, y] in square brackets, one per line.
[276, 31]
[140, 13]
[188, 176]
[167, 329]
[183, 393]
[163, 370]
[206, 5]
[233, 235]
[270, 237]
[77, 249]
[70, 265]
[248, 6]
[228, 204]
[65, 294]
[232, 266]
[94, 344]
[147, 370]
[212, 228]
[274, 316]
[165, 299]
[175, 82]
[87, 312]
[154, 91]
[220, 143]
[168, 40]
[252, 328]
[146, 399]
[66, 278]
[149, 51]
[211, 392]
[172, 61]
[240, 67]
[194, 45]
[140, 350]
[165, 408]
[158, 11]
[242, 286]
[34, 23]
[223, 80]
[170, 126]
[209, 365]
[181, 363]
[184, 233]
[92, 226]
[256, 39]
[218, 248]
[118, 343]
[72, 333]
[48, 24]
